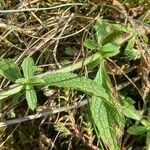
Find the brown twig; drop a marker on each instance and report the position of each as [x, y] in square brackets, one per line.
[80, 136]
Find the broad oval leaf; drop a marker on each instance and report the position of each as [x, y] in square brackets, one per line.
[31, 97]
[90, 44]
[28, 67]
[102, 30]
[109, 121]
[112, 37]
[109, 50]
[132, 54]
[71, 51]
[138, 130]
[9, 69]
[129, 109]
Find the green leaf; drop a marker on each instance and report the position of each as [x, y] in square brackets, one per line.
[108, 120]
[10, 92]
[28, 67]
[112, 37]
[36, 81]
[31, 81]
[72, 81]
[129, 109]
[21, 81]
[138, 130]
[16, 98]
[120, 27]
[31, 97]
[71, 51]
[90, 44]
[116, 32]
[9, 69]
[37, 70]
[102, 30]
[109, 50]
[130, 52]
[130, 44]
[93, 64]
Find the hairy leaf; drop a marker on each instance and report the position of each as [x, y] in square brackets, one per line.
[138, 130]
[21, 81]
[130, 52]
[90, 44]
[37, 70]
[102, 30]
[71, 51]
[9, 69]
[129, 109]
[31, 97]
[32, 81]
[120, 27]
[112, 37]
[28, 67]
[109, 50]
[36, 81]
[108, 120]
[70, 80]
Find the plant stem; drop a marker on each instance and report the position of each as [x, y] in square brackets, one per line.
[11, 91]
[75, 66]
[69, 68]
[87, 60]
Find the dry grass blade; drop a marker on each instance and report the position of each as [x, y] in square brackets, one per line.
[43, 114]
[39, 9]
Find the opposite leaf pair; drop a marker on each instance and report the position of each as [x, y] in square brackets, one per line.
[10, 70]
[29, 81]
[105, 45]
[61, 79]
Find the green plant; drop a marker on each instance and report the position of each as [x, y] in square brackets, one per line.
[65, 80]
[109, 121]
[107, 109]
[102, 44]
[130, 52]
